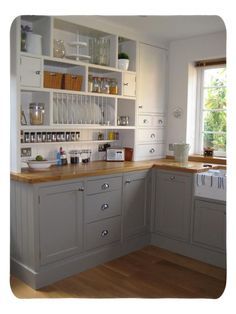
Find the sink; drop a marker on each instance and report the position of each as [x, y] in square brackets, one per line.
[211, 184]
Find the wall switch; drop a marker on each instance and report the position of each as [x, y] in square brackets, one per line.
[26, 152]
[171, 147]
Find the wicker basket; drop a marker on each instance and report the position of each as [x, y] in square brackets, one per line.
[72, 82]
[52, 79]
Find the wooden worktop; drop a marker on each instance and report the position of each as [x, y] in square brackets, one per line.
[96, 168]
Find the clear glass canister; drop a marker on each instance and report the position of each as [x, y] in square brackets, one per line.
[59, 50]
[113, 87]
[36, 113]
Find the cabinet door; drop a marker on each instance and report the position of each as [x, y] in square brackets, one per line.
[60, 221]
[152, 78]
[129, 84]
[30, 71]
[173, 204]
[135, 207]
[209, 224]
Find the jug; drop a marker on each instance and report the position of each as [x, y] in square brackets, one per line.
[181, 152]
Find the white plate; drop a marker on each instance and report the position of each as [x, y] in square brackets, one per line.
[78, 43]
[40, 165]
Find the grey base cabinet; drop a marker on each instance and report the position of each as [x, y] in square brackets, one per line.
[209, 224]
[186, 225]
[61, 228]
[135, 203]
[173, 204]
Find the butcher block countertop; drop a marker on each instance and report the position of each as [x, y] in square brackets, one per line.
[97, 168]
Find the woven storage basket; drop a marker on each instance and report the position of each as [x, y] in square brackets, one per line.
[72, 82]
[52, 79]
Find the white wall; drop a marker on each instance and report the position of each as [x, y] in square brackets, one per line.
[182, 54]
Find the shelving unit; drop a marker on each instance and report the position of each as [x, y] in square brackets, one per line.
[66, 109]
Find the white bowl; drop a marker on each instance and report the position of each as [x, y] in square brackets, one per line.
[40, 165]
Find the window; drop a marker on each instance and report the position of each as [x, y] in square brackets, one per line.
[211, 109]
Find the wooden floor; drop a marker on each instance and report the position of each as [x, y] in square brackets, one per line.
[148, 273]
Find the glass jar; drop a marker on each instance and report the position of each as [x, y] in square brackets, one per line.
[36, 113]
[74, 156]
[59, 50]
[105, 85]
[96, 85]
[113, 88]
[90, 83]
[124, 120]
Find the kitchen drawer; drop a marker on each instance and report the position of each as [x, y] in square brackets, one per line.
[151, 135]
[102, 206]
[151, 120]
[104, 185]
[102, 232]
[150, 151]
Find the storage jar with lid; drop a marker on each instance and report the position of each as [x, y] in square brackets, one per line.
[36, 113]
[74, 156]
[113, 87]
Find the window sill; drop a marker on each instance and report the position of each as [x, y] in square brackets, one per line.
[200, 158]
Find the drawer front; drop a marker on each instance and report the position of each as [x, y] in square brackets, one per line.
[104, 185]
[150, 151]
[151, 120]
[102, 232]
[151, 135]
[102, 206]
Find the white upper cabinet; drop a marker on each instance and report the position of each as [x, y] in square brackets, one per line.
[30, 71]
[129, 84]
[152, 79]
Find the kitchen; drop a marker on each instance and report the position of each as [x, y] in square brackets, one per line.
[105, 164]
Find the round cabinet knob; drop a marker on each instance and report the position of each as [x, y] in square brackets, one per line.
[37, 72]
[153, 135]
[145, 121]
[172, 178]
[152, 150]
[126, 84]
[140, 107]
[104, 233]
[128, 181]
[81, 189]
[104, 206]
[105, 186]
[160, 121]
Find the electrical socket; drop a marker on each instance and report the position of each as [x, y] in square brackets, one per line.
[171, 147]
[26, 152]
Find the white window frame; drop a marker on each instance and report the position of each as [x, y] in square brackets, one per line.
[200, 110]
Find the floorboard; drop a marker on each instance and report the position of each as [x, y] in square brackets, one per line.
[151, 272]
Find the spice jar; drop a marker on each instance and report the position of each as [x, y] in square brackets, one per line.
[36, 113]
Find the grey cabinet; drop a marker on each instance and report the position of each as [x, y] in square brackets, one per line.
[209, 224]
[135, 203]
[60, 221]
[173, 204]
